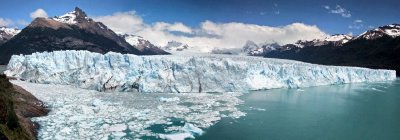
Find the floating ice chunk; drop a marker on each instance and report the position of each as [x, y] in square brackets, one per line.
[119, 134]
[176, 136]
[126, 116]
[173, 99]
[192, 129]
[117, 127]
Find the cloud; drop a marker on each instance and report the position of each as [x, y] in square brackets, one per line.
[5, 22]
[209, 35]
[12, 23]
[339, 10]
[277, 11]
[38, 13]
[22, 22]
[179, 27]
[122, 22]
[350, 33]
[358, 21]
[327, 7]
[357, 24]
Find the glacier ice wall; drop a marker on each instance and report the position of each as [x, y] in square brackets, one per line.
[201, 73]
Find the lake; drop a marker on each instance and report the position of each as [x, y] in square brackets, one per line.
[367, 111]
[3, 68]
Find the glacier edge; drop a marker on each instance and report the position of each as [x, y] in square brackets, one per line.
[202, 73]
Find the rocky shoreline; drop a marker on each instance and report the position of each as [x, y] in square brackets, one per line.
[17, 106]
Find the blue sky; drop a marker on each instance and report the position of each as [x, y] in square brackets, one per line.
[192, 12]
[210, 24]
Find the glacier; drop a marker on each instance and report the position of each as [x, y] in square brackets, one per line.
[180, 74]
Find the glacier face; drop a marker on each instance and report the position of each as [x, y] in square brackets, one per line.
[201, 73]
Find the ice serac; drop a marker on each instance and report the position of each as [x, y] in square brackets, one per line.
[201, 73]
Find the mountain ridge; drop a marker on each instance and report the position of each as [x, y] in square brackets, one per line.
[377, 48]
[72, 31]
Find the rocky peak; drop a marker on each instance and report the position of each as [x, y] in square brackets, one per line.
[392, 30]
[142, 44]
[249, 46]
[79, 13]
[74, 17]
[175, 46]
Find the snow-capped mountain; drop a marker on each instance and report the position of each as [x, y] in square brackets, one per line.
[175, 46]
[7, 33]
[260, 50]
[392, 30]
[142, 44]
[377, 48]
[249, 48]
[74, 17]
[72, 31]
[181, 74]
[335, 40]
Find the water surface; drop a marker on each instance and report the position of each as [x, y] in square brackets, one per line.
[366, 111]
[2, 68]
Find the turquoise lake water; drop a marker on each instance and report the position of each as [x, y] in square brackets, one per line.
[366, 111]
[2, 68]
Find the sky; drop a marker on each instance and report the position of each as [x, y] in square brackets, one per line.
[225, 23]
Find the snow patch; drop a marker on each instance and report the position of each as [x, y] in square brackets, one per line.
[68, 18]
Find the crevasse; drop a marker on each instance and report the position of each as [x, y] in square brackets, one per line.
[199, 73]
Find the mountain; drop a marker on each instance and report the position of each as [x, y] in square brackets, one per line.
[72, 31]
[377, 48]
[334, 40]
[263, 49]
[392, 30]
[142, 45]
[249, 48]
[7, 33]
[175, 46]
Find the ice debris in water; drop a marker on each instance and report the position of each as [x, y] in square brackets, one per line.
[88, 114]
[189, 132]
[202, 73]
[174, 99]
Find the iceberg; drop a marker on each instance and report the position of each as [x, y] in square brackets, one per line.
[180, 74]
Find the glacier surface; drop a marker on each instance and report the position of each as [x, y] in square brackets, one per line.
[180, 74]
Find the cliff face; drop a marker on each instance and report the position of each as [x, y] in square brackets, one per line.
[16, 107]
[181, 74]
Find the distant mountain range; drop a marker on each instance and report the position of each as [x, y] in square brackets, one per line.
[72, 31]
[249, 48]
[378, 48]
[7, 33]
[142, 44]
